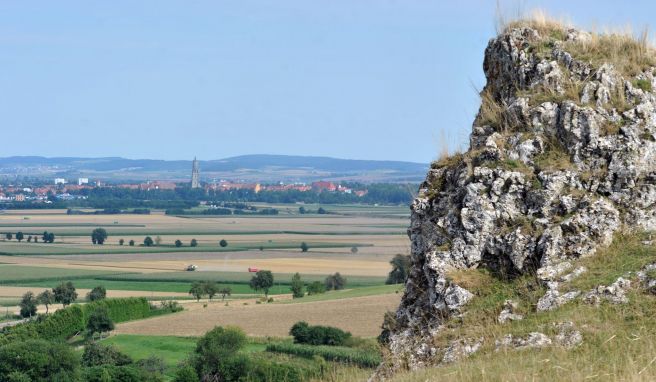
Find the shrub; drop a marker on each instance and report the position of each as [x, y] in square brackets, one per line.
[335, 282]
[97, 293]
[186, 373]
[28, 305]
[215, 348]
[96, 355]
[304, 247]
[38, 360]
[329, 353]
[99, 322]
[316, 287]
[318, 335]
[128, 373]
[178, 243]
[193, 243]
[297, 287]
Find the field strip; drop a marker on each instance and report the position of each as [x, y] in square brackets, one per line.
[364, 317]
[16, 291]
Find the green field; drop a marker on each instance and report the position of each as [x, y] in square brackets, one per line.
[347, 293]
[232, 277]
[16, 249]
[12, 274]
[172, 350]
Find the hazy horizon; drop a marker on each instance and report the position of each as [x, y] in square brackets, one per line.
[369, 80]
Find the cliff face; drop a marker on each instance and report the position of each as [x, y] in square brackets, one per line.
[562, 155]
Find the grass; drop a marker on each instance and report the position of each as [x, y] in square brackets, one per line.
[348, 293]
[173, 350]
[11, 274]
[233, 277]
[71, 249]
[619, 340]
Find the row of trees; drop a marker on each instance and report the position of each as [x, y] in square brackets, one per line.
[63, 293]
[209, 289]
[48, 237]
[99, 236]
[332, 282]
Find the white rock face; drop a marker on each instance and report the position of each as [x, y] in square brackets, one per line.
[615, 293]
[508, 313]
[461, 349]
[507, 205]
[567, 336]
[533, 340]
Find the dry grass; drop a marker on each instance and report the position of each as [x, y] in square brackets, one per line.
[629, 53]
[619, 340]
[362, 316]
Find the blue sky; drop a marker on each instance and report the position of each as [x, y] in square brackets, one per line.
[362, 79]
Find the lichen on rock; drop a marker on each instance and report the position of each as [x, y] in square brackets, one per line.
[562, 155]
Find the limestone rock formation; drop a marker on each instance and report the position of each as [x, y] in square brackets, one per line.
[562, 155]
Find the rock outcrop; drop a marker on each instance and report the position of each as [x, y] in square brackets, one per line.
[562, 155]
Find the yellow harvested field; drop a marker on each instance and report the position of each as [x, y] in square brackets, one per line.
[362, 316]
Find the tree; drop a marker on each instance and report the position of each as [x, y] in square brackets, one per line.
[65, 293]
[28, 305]
[335, 282]
[215, 349]
[400, 268]
[19, 236]
[158, 240]
[316, 287]
[99, 322]
[38, 360]
[96, 354]
[131, 243]
[354, 250]
[321, 211]
[223, 243]
[97, 293]
[36, 239]
[301, 210]
[48, 237]
[297, 286]
[211, 289]
[197, 290]
[29, 239]
[178, 243]
[263, 280]
[304, 247]
[225, 291]
[98, 236]
[121, 242]
[193, 243]
[9, 236]
[46, 298]
[148, 241]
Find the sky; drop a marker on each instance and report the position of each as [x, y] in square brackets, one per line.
[357, 79]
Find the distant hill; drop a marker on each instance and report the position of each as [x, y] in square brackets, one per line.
[246, 167]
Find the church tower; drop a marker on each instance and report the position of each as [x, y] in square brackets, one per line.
[195, 174]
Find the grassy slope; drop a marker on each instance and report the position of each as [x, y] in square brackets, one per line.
[619, 340]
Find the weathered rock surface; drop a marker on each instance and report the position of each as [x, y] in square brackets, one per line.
[562, 154]
[508, 313]
[614, 293]
[567, 336]
[533, 340]
[461, 349]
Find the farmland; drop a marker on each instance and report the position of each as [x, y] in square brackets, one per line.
[356, 241]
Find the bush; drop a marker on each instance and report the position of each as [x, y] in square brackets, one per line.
[215, 348]
[318, 335]
[97, 293]
[38, 360]
[128, 373]
[96, 354]
[186, 373]
[316, 287]
[329, 353]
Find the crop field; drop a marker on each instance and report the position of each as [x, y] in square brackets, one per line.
[362, 316]
[356, 241]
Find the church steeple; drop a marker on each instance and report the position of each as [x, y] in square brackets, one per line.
[195, 174]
